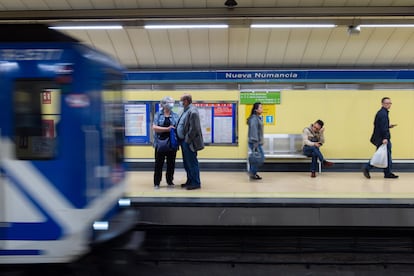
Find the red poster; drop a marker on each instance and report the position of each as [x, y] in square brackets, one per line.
[46, 97]
[223, 110]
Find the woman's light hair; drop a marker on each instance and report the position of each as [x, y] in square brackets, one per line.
[166, 100]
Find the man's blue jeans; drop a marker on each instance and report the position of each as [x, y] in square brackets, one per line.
[191, 165]
[388, 169]
[315, 153]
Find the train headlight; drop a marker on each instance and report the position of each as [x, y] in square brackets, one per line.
[124, 202]
[100, 225]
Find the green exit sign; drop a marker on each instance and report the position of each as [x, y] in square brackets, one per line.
[265, 97]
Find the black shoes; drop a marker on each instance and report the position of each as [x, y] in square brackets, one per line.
[365, 171]
[255, 177]
[192, 187]
[313, 174]
[391, 175]
[189, 187]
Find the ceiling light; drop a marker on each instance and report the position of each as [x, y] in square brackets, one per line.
[292, 26]
[188, 26]
[387, 25]
[108, 27]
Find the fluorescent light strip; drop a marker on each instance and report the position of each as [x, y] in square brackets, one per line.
[292, 26]
[387, 25]
[187, 26]
[109, 27]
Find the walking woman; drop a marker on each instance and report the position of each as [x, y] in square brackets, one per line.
[255, 137]
[164, 120]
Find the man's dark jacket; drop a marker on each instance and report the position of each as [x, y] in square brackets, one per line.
[381, 127]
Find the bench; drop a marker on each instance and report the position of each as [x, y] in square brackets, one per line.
[284, 146]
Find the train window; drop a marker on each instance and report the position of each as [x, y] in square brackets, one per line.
[36, 114]
[113, 122]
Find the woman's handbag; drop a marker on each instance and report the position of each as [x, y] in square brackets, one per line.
[164, 145]
[380, 158]
[255, 157]
[168, 144]
[173, 139]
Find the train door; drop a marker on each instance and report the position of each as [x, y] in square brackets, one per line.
[113, 128]
[36, 115]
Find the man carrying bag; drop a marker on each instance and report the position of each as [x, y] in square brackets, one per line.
[381, 136]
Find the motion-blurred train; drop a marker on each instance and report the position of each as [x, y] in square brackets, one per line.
[61, 147]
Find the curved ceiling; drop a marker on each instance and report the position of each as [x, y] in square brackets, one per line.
[238, 46]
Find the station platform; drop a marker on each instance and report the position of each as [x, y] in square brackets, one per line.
[288, 199]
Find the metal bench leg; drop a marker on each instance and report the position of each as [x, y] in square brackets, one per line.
[320, 166]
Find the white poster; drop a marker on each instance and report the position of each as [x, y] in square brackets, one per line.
[135, 120]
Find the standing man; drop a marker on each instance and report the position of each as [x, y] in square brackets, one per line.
[191, 140]
[313, 139]
[382, 135]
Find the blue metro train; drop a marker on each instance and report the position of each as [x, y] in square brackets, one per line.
[61, 146]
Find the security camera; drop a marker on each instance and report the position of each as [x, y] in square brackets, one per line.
[230, 3]
[354, 30]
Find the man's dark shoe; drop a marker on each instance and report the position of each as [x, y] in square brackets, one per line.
[255, 177]
[192, 187]
[391, 176]
[327, 164]
[366, 173]
[184, 185]
[313, 174]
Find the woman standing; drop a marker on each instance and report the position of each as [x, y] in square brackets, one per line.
[255, 136]
[164, 120]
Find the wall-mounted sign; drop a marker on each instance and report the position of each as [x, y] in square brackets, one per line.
[265, 97]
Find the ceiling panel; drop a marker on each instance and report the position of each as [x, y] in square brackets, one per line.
[336, 44]
[199, 47]
[142, 48]
[390, 48]
[239, 46]
[277, 45]
[102, 38]
[180, 47]
[239, 40]
[160, 44]
[218, 53]
[123, 47]
[405, 56]
[256, 49]
[297, 43]
[316, 46]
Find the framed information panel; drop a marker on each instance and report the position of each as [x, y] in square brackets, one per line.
[137, 123]
[218, 122]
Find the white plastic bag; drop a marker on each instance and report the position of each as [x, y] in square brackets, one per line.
[379, 159]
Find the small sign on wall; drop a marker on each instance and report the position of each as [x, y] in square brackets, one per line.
[46, 97]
